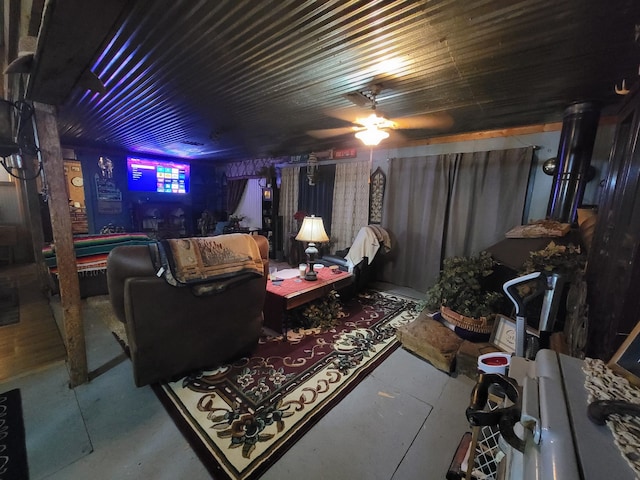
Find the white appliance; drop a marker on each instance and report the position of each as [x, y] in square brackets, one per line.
[545, 431]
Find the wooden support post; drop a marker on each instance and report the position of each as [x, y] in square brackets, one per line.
[30, 209]
[73, 334]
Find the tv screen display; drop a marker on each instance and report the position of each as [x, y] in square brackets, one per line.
[159, 176]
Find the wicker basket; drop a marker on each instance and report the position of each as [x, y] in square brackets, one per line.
[482, 325]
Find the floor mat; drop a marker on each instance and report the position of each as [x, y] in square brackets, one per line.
[13, 460]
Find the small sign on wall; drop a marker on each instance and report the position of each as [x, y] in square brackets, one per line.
[109, 196]
[345, 153]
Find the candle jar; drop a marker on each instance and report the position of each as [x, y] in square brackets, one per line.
[272, 273]
[496, 362]
[302, 269]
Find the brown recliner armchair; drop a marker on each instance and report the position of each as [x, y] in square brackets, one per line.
[170, 330]
[365, 257]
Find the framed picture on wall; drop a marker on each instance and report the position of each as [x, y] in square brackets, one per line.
[626, 361]
[503, 335]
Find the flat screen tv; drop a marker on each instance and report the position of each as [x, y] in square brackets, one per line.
[159, 176]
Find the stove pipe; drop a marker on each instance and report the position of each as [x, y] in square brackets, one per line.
[579, 127]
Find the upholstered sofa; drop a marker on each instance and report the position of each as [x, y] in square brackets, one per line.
[174, 330]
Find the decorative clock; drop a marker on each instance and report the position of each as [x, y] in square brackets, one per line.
[77, 181]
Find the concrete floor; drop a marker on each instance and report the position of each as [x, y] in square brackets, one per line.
[402, 422]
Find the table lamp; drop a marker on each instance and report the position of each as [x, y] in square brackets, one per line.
[312, 231]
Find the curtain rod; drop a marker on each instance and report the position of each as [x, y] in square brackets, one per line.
[323, 162]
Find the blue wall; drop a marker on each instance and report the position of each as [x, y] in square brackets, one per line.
[92, 172]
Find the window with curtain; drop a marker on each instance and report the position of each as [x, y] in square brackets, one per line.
[350, 203]
[235, 190]
[250, 205]
[451, 204]
[318, 199]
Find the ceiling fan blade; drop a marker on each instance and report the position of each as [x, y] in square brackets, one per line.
[438, 121]
[348, 114]
[396, 136]
[330, 132]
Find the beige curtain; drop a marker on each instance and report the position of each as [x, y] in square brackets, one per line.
[452, 204]
[350, 203]
[288, 204]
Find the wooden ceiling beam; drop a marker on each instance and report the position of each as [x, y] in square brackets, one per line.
[11, 29]
[37, 7]
[11, 33]
[497, 133]
[71, 35]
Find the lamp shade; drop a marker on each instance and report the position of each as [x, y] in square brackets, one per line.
[312, 230]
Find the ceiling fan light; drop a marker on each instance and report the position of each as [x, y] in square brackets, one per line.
[369, 122]
[372, 136]
[374, 121]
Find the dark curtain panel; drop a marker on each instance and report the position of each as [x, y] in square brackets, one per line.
[417, 197]
[235, 189]
[318, 199]
[449, 205]
[487, 199]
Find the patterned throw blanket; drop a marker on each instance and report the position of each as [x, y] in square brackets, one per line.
[92, 250]
[210, 259]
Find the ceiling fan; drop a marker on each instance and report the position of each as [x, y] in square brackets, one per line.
[372, 127]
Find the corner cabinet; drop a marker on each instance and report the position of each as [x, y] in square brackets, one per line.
[271, 223]
[162, 220]
[613, 271]
[267, 209]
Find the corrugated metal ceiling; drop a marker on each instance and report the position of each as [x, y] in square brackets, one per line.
[228, 79]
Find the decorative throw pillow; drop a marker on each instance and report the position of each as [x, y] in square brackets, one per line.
[431, 340]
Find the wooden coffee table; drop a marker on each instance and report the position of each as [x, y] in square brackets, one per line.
[293, 292]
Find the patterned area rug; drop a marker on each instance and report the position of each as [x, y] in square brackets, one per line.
[242, 417]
